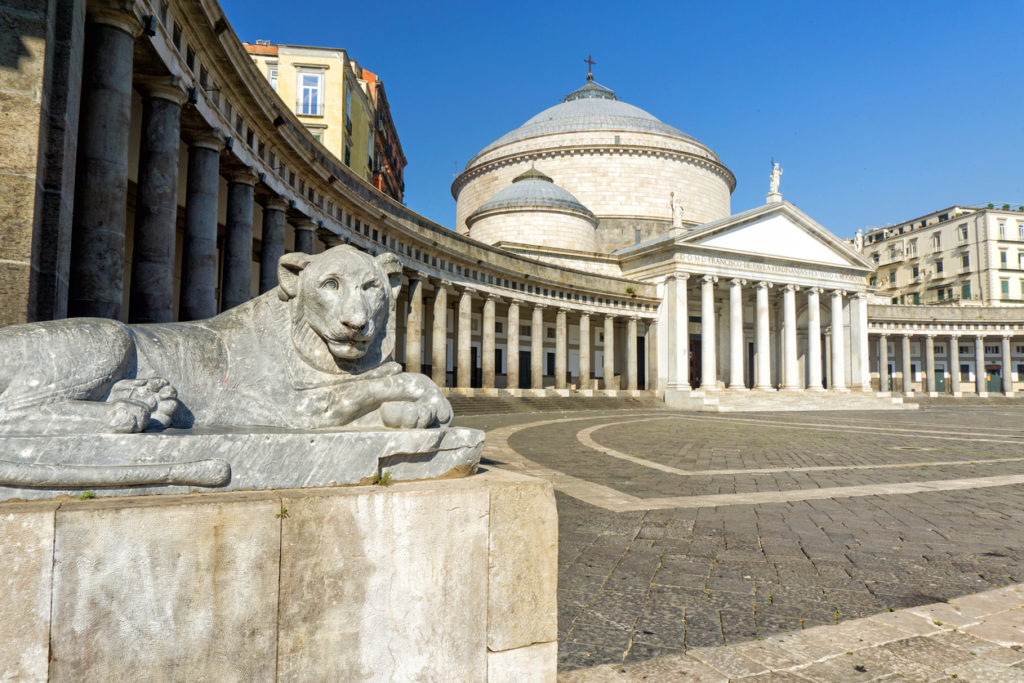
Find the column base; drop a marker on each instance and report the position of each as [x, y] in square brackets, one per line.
[765, 387]
[1009, 394]
[883, 394]
[816, 388]
[841, 390]
[908, 394]
[957, 394]
[982, 394]
[933, 394]
[561, 392]
[792, 387]
[463, 391]
[738, 387]
[709, 387]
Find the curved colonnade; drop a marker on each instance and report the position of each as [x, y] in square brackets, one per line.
[168, 92]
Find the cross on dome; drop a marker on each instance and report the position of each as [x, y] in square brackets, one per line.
[589, 61]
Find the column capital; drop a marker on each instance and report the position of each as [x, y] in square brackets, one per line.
[737, 282]
[274, 203]
[764, 284]
[839, 292]
[512, 301]
[860, 295]
[980, 337]
[1006, 335]
[439, 283]
[491, 296]
[210, 141]
[304, 224]
[161, 87]
[814, 290]
[955, 337]
[116, 13]
[538, 306]
[244, 176]
[709, 278]
[931, 335]
[906, 335]
[677, 276]
[790, 288]
[465, 290]
[883, 335]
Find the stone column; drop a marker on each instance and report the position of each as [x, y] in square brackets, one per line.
[838, 355]
[305, 237]
[908, 386]
[1007, 367]
[561, 348]
[736, 335]
[512, 363]
[199, 244]
[863, 349]
[98, 225]
[979, 366]
[631, 369]
[156, 206]
[439, 336]
[237, 281]
[585, 351]
[708, 345]
[414, 326]
[883, 362]
[828, 355]
[814, 340]
[763, 381]
[272, 248]
[487, 343]
[792, 379]
[929, 363]
[464, 368]
[609, 353]
[678, 329]
[537, 347]
[954, 361]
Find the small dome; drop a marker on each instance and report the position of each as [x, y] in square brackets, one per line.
[532, 190]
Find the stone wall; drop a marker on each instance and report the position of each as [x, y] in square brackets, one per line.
[611, 182]
[440, 580]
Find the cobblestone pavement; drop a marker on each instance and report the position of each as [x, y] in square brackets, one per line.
[684, 531]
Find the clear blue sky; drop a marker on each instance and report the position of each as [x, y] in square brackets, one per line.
[877, 111]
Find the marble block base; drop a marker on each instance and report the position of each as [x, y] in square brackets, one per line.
[181, 461]
[449, 580]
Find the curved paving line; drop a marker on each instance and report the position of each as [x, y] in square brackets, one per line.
[497, 448]
[585, 438]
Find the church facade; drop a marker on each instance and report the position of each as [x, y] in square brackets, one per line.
[157, 176]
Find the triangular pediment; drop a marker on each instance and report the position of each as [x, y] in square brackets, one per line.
[781, 231]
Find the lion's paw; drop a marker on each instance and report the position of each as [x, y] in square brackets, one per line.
[416, 415]
[154, 394]
[127, 417]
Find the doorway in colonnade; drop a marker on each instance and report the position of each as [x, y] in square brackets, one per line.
[641, 364]
[695, 361]
[524, 369]
[993, 379]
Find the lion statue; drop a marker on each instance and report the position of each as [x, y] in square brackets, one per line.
[314, 352]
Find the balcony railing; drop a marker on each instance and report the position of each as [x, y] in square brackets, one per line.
[309, 108]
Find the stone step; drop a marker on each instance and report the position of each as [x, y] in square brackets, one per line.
[479, 404]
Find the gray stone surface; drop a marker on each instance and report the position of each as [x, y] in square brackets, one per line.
[166, 590]
[235, 289]
[26, 570]
[521, 595]
[199, 243]
[314, 353]
[381, 582]
[179, 461]
[385, 584]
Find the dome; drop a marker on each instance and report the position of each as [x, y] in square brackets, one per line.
[592, 107]
[531, 190]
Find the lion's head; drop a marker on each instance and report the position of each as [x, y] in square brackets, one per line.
[342, 304]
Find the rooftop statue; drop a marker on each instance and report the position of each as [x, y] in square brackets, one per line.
[313, 353]
[677, 210]
[775, 177]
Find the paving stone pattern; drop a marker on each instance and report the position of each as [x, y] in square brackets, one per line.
[649, 584]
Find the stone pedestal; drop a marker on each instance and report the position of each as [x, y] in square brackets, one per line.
[441, 580]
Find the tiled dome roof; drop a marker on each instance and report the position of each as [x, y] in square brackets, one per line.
[532, 190]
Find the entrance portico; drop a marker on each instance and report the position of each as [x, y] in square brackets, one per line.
[747, 292]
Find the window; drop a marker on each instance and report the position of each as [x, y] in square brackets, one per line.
[965, 350]
[1002, 258]
[965, 262]
[917, 271]
[311, 98]
[1020, 230]
[938, 266]
[1002, 231]
[937, 241]
[1004, 288]
[874, 257]
[499, 327]
[551, 333]
[1019, 348]
[912, 248]
[962, 230]
[965, 291]
[348, 155]
[272, 75]
[917, 298]
[895, 300]
[524, 330]
[942, 295]
[874, 280]
[992, 350]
